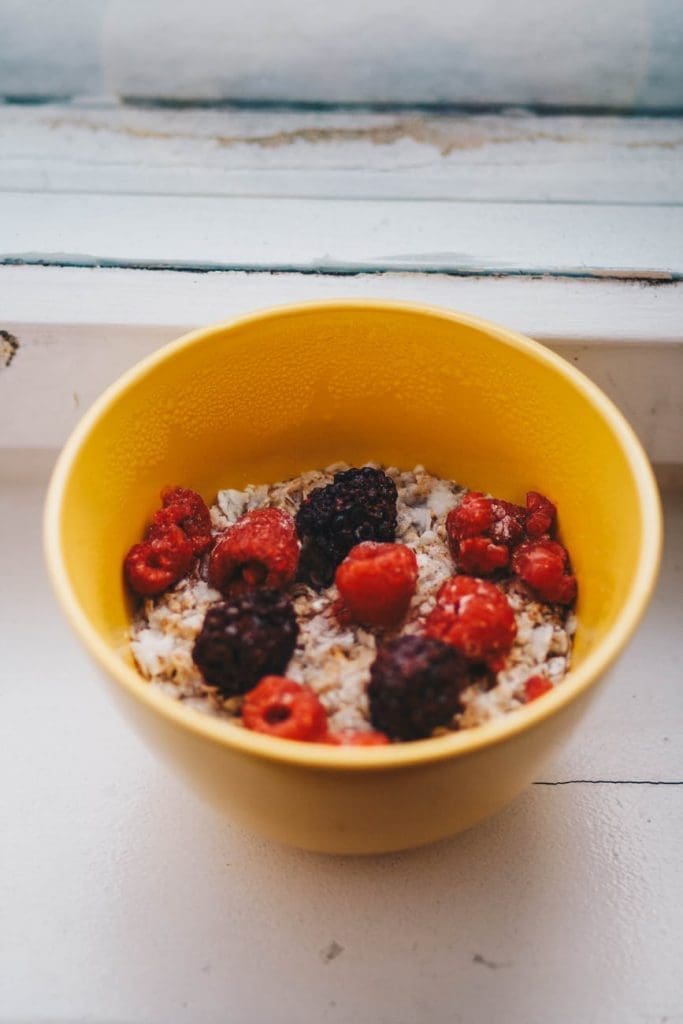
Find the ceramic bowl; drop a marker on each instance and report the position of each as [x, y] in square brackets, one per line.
[270, 395]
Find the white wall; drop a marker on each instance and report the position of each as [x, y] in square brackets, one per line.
[619, 53]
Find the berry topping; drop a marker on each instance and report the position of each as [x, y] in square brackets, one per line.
[353, 738]
[283, 708]
[187, 510]
[261, 549]
[245, 638]
[359, 505]
[158, 563]
[544, 566]
[536, 686]
[480, 556]
[376, 582]
[476, 618]
[541, 516]
[482, 532]
[415, 683]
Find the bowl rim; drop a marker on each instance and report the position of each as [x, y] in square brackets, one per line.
[382, 758]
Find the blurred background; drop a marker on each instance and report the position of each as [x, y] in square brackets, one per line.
[616, 55]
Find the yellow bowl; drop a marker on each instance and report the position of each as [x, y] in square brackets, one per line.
[267, 396]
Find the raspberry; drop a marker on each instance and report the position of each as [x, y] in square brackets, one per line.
[536, 686]
[480, 556]
[541, 515]
[475, 617]
[544, 566]
[281, 707]
[156, 564]
[472, 517]
[352, 738]
[415, 685]
[481, 532]
[245, 638]
[377, 581]
[261, 549]
[186, 509]
[359, 505]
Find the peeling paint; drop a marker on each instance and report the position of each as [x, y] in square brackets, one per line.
[9, 346]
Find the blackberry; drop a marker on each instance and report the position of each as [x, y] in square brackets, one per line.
[415, 685]
[245, 638]
[359, 505]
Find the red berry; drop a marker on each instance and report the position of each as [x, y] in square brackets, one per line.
[540, 517]
[261, 549]
[481, 532]
[507, 522]
[156, 564]
[281, 707]
[186, 509]
[474, 617]
[471, 518]
[536, 686]
[544, 566]
[352, 738]
[377, 581]
[480, 556]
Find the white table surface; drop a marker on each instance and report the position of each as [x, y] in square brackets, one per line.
[125, 899]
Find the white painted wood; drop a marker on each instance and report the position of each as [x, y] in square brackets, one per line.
[622, 53]
[603, 312]
[79, 329]
[125, 899]
[99, 147]
[337, 235]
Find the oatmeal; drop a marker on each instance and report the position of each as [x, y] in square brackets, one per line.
[333, 655]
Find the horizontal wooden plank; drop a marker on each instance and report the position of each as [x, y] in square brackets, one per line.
[100, 147]
[596, 313]
[338, 235]
[74, 331]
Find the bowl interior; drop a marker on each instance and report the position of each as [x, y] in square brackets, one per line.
[274, 394]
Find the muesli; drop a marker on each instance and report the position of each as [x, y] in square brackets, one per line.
[353, 605]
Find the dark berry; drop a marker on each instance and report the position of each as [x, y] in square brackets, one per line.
[476, 618]
[245, 638]
[377, 582]
[261, 549]
[281, 707]
[158, 563]
[415, 684]
[359, 505]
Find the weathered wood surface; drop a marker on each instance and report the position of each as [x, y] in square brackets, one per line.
[115, 148]
[103, 185]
